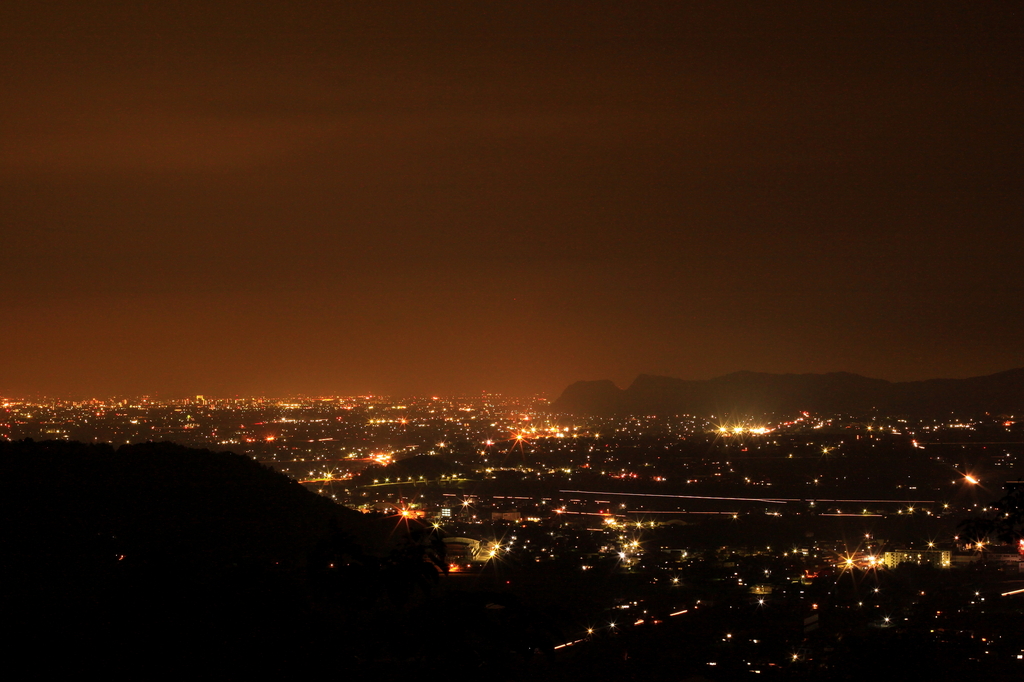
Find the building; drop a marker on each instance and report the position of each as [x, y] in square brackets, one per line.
[940, 558]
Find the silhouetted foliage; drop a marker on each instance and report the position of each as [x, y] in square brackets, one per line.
[1005, 521]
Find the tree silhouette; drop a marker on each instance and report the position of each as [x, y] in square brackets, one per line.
[1005, 521]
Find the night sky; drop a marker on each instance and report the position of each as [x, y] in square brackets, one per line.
[441, 198]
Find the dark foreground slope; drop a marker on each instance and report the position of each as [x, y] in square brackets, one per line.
[154, 557]
[760, 393]
[157, 560]
[158, 504]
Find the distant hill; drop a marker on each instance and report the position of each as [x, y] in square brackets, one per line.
[760, 393]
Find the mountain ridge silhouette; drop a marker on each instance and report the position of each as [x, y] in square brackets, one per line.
[747, 392]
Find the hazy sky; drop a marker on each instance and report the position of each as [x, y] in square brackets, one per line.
[234, 198]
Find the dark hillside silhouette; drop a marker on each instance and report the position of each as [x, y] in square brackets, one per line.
[759, 393]
[158, 560]
[165, 556]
